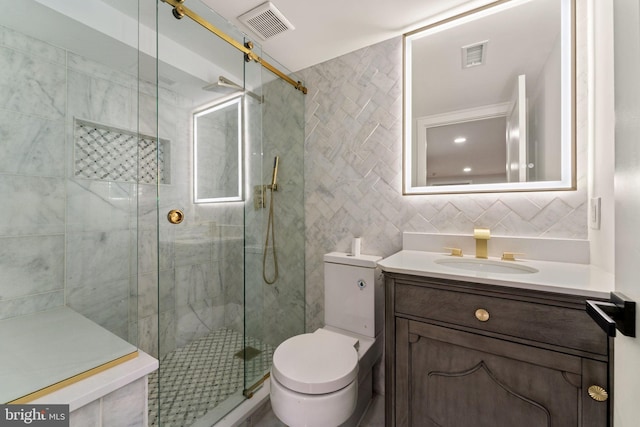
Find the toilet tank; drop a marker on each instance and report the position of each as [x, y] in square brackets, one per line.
[353, 293]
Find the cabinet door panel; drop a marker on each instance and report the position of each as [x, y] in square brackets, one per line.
[455, 386]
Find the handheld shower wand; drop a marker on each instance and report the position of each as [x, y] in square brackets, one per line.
[271, 228]
[274, 177]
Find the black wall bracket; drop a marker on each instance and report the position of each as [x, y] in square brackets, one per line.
[619, 313]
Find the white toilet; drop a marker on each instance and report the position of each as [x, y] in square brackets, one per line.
[324, 378]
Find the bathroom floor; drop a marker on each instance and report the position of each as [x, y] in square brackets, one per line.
[374, 417]
[196, 378]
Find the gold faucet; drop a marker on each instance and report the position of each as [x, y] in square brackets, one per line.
[481, 235]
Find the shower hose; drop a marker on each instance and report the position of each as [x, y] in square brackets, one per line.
[270, 233]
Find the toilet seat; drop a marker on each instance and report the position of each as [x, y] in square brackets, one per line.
[317, 363]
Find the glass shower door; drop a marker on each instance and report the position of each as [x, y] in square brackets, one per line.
[197, 330]
[274, 219]
[220, 309]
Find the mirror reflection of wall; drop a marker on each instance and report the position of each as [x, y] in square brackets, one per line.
[218, 152]
[467, 152]
[502, 81]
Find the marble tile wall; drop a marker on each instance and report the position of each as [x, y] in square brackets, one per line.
[100, 253]
[32, 174]
[353, 168]
[126, 406]
[69, 241]
[200, 282]
[276, 312]
[92, 244]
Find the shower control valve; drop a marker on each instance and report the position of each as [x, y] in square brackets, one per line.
[362, 284]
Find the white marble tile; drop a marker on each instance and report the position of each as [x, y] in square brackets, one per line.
[34, 47]
[192, 251]
[102, 71]
[148, 334]
[234, 315]
[570, 225]
[38, 202]
[551, 214]
[522, 207]
[98, 205]
[104, 302]
[513, 224]
[125, 407]
[349, 97]
[167, 332]
[147, 113]
[31, 265]
[32, 145]
[101, 101]
[192, 324]
[31, 304]
[88, 415]
[30, 85]
[97, 257]
[194, 287]
[493, 215]
[147, 295]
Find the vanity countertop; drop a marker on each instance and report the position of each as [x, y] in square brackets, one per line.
[562, 277]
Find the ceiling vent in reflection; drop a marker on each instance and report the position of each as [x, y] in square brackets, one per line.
[474, 54]
[266, 21]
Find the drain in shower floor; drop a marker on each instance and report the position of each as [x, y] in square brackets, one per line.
[247, 353]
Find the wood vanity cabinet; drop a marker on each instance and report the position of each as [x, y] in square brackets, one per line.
[460, 354]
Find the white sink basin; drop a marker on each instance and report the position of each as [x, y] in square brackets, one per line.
[486, 265]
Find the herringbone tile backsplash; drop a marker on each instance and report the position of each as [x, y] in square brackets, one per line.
[353, 173]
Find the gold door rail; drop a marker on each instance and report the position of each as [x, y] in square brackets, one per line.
[248, 392]
[180, 11]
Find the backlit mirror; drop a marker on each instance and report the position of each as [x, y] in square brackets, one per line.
[217, 152]
[489, 100]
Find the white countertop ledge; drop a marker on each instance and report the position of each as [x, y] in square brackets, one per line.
[99, 385]
[559, 277]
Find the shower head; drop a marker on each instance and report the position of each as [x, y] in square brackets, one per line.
[223, 85]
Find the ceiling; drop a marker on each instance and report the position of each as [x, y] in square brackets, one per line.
[520, 40]
[323, 30]
[330, 28]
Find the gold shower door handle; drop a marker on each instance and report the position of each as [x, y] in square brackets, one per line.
[175, 216]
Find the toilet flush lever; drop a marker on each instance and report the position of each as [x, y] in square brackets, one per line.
[362, 284]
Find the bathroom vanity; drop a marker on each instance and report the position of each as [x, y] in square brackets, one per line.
[478, 348]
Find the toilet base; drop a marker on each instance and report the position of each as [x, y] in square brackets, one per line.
[365, 394]
[309, 410]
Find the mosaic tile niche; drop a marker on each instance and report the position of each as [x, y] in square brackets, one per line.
[110, 154]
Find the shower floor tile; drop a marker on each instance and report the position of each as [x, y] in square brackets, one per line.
[196, 378]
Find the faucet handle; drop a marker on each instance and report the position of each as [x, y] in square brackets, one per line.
[510, 256]
[455, 251]
[481, 233]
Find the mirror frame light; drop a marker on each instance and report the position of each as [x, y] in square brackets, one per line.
[237, 100]
[568, 105]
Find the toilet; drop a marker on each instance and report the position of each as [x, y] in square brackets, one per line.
[324, 378]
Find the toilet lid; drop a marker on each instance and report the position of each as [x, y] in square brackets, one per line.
[315, 363]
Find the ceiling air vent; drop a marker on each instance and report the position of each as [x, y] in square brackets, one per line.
[474, 54]
[266, 21]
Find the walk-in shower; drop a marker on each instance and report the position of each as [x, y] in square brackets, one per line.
[100, 122]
